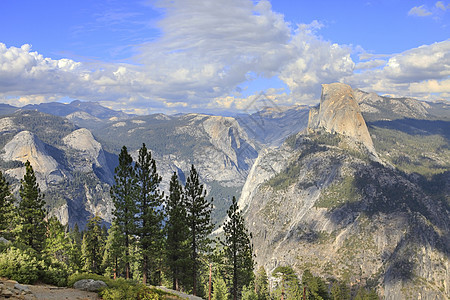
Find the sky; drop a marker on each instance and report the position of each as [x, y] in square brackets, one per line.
[220, 56]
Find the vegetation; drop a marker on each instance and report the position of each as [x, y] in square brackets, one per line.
[339, 193]
[238, 249]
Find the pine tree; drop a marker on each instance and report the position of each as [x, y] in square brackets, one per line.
[57, 243]
[199, 220]
[220, 289]
[31, 229]
[315, 286]
[114, 251]
[288, 286]
[6, 207]
[93, 246]
[177, 230]
[123, 194]
[150, 215]
[238, 249]
[262, 284]
[75, 240]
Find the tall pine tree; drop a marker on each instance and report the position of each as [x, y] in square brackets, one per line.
[6, 207]
[114, 251]
[150, 215]
[123, 194]
[177, 230]
[199, 220]
[238, 249]
[31, 214]
[262, 284]
[93, 246]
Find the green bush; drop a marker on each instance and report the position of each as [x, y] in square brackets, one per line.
[20, 265]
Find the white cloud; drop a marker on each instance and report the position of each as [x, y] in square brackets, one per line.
[418, 72]
[419, 11]
[207, 49]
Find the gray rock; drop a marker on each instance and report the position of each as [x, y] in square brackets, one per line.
[24, 289]
[89, 285]
[4, 241]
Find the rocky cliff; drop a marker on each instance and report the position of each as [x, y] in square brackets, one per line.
[320, 203]
[339, 112]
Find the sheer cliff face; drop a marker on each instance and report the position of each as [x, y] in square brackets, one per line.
[339, 112]
[316, 203]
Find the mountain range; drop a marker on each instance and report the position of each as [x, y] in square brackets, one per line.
[356, 188]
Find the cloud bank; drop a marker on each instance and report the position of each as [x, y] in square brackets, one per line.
[208, 48]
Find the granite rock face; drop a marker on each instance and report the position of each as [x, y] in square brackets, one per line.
[339, 112]
[320, 203]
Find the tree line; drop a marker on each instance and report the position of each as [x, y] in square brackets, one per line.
[153, 237]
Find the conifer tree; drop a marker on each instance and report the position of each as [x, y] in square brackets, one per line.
[75, 240]
[199, 220]
[93, 245]
[150, 215]
[57, 243]
[288, 286]
[220, 289]
[262, 284]
[238, 249]
[114, 250]
[123, 194]
[31, 229]
[177, 230]
[6, 206]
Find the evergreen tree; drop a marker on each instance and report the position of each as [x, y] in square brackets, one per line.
[199, 220]
[31, 214]
[340, 291]
[248, 293]
[262, 284]
[123, 194]
[315, 286]
[220, 289]
[57, 243]
[288, 286]
[6, 207]
[364, 294]
[150, 215]
[177, 230]
[114, 251]
[238, 249]
[93, 246]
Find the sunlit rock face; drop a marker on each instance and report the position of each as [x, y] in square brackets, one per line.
[339, 112]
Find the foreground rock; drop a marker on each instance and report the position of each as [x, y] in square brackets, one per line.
[89, 285]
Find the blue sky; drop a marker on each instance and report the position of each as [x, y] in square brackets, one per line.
[219, 55]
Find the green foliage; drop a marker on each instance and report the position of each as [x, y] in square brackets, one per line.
[248, 293]
[339, 193]
[177, 231]
[114, 251]
[287, 285]
[6, 207]
[123, 194]
[20, 265]
[262, 284]
[93, 246]
[412, 152]
[364, 294]
[238, 249]
[31, 225]
[315, 286]
[149, 215]
[199, 219]
[340, 291]
[220, 290]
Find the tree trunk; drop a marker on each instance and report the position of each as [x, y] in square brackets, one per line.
[144, 270]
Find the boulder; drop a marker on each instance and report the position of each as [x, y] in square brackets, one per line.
[89, 285]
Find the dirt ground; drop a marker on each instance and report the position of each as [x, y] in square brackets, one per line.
[48, 292]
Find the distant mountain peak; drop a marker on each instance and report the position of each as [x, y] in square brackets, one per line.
[339, 112]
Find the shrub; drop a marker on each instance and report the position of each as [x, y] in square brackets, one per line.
[20, 265]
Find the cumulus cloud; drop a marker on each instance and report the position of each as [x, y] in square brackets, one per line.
[418, 72]
[208, 48]
[438, 10]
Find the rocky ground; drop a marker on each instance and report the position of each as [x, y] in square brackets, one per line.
[10, 289]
